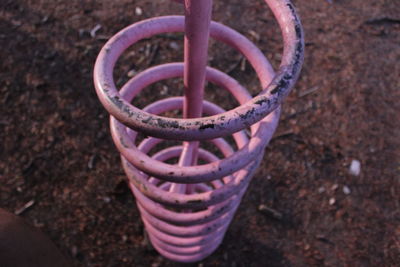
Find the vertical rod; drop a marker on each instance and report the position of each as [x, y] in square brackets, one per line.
[197, 31]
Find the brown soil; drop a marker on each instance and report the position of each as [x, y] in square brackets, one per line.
[56, 149]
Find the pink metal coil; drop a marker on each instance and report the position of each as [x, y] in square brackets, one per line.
[187, 207]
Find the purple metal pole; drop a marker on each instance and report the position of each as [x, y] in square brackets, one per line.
[197, 31]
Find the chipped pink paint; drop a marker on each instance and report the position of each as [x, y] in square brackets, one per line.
[187, 208]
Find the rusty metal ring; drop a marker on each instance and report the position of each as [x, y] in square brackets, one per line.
[212, 126]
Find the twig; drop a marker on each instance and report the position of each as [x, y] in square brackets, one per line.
[382, 21]
[94, 30]
[243, 64]
[25, 207]
[284, 134]
[270, 212]
[92, 161]
[309, 91]
[153, 54]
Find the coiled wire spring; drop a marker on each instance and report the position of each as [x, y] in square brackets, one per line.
[187, 207]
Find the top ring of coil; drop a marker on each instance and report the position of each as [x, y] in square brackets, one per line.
[206, 127]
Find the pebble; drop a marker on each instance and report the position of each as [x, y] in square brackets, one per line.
[255, 35]
[131, 73]
[174, 45]
[321, 189]
[332, 201]
[164, 90]
[74, 251]
[138, 11]
[346, 190]
[355, 167]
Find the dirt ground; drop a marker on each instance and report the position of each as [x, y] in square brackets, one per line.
[58, 161]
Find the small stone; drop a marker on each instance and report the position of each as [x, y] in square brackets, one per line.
[321, 189]
[355, 167]
[255, 35]
[131, 73]
[334, 187]
[106, 199]
[346, 190]
[164, 90]
[44, 19]
[174, 45]
[138, 11]
[332, 201]
[74, 251]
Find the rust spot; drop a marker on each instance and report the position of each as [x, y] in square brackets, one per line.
[261, 101]
[117, 101]
[247, 114]
[195, 201]
[164, 124]
[205, 126]
[147, 120]
[128, 111]
[123, 142]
